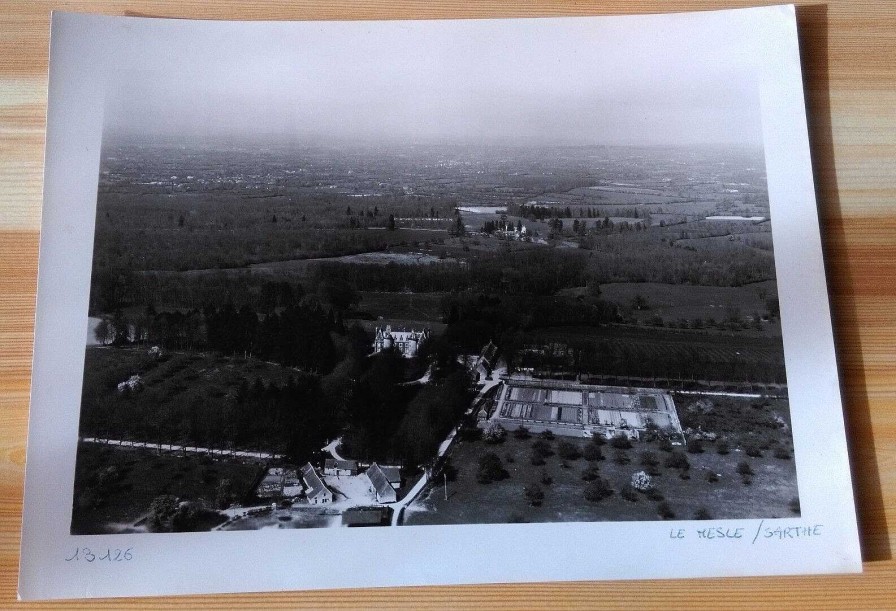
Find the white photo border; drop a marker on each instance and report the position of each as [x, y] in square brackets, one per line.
[427, 555]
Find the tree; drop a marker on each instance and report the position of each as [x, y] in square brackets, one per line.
[677, 460]
[490, 469]
[534, 494]
[621, 442]
[161, 511]
[598, 490]
[494, 432]
[567, 450]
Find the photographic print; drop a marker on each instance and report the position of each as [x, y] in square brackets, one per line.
[336, 284]
[414, 291]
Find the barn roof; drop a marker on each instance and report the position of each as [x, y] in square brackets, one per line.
[379, 480]
[313, 482]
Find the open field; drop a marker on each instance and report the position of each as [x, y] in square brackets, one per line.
[683, 301]
[114, 487]
[767, 496]
[420, 306]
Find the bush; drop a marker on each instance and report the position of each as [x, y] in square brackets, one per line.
[599, 440]
[629, 494]
[743, 468]
[536, 458]
[695, 446]
[546, 479]
[722, 447]
[508, 457]
[598, 490]
[677, 460]
[641, 481]
[712, 477]
[521, 433]
[665, 445]
[664, 509]
[621, 442]
[648, 459]
[542, 447]
[590, 474]
[782, 453]
[494, 433]
[702, 514]
[592, 452]
[534, 494]
[490, 469]
[621, 458]
[547, 434]
[753, 451]
[654, 495]
[568, 450]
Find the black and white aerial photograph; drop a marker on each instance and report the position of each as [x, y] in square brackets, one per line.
[419, 279]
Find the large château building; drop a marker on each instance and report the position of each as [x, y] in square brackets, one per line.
[406, 341]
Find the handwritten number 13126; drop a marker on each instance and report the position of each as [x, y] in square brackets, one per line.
[109, 555]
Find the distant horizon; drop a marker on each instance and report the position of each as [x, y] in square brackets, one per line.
[636, 81]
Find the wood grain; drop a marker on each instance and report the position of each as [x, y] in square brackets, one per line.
[849, 57]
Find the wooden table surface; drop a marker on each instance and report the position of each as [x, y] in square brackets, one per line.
[849, 63]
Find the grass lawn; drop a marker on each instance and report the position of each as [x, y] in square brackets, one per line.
[114, 487]
[469, 502]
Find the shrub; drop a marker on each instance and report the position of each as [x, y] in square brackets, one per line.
[621, 442]
[743, 468]
[542, 447]
[521, 433]
[695, 446]
[547, 434]
[641, 481]
[599, 440]
[592, 451]
[665, 445]
[712, 477]
[702, 514]
[546, 479]
[568, 450]
[598, 490]
[746, 480]
[664, 509]
[534, 494]
[590, 474]
[677, 460]
[621, 458]
[508, 457]
[536, 458]
[782, 453]
[654, 495]
[494, 433]
[629, 494]
[753, 451]
[490, 469]
[722, 447]
[648, 459]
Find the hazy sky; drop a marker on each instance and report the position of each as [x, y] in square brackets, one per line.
[641, 80]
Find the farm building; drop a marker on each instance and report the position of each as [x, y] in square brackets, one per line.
[407, 341]
[316, 491]
[573, 409]
[367, 516]
[279, 482]
[333, 466]
[380, 485]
